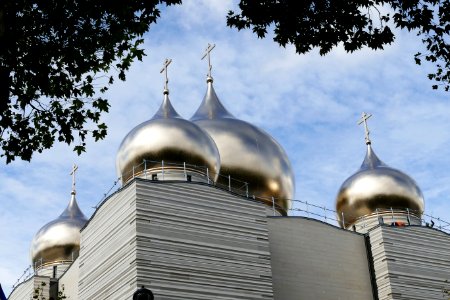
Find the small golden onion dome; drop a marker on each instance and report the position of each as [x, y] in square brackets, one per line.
[59, 240]
[247, 153]
[377, 187]
[167, 142]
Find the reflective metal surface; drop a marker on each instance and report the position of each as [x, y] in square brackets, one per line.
[57, 240]
[247, 153]
[376, 186]
[169, 138]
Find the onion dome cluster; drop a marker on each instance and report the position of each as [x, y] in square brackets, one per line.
[232, 150]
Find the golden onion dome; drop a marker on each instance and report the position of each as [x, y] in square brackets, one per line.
[376, 187]
[59, 240]
[167, 142]
[247, 153]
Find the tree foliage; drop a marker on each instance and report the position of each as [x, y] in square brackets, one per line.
[325, 24]
[56, 57]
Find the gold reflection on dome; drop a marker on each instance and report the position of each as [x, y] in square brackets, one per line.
[169, 138]
[376, 186]
[59, 240]
[247, 153]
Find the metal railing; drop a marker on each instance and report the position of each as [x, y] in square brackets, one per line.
[147, 169]
[41, 263]
[27, 274]
[31, 270]
[308, 209]
[298, 207]
[435, 222]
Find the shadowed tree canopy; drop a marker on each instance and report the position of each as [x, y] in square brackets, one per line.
[56, 56]
[325, 24]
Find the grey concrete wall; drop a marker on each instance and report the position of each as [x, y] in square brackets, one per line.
[314, 260]
[68, 282]
[411, 262]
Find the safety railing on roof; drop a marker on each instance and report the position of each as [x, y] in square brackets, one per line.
[308, 209]
[298, 207]
[150, 169]
[41, 263]
[32, 270]
[27, 274]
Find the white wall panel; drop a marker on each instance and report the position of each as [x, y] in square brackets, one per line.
[315, 260]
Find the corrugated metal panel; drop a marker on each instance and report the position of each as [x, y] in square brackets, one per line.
[411, 262]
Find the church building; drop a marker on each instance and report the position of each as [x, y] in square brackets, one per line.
[202, 214]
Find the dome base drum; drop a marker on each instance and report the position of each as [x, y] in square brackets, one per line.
[391, 217]
[171, 171]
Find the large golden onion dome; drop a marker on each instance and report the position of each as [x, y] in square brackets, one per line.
[59, 240]
[374, 188]
[167, 143]
[247, 153]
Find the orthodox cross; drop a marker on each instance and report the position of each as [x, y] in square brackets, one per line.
[207, 53]
[364, 119]
[74, 169]
[164, 69]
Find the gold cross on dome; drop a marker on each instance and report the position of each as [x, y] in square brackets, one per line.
[364, 119]
[74, 169]
[164, 69]
[208, 53]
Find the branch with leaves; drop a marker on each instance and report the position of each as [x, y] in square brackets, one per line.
[325, 24]
[56, 58]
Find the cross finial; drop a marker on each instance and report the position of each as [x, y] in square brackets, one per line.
[364, 119]
[164, 69]
[74, 169]
[208, 53]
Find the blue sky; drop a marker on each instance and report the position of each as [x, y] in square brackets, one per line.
[309, 103]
